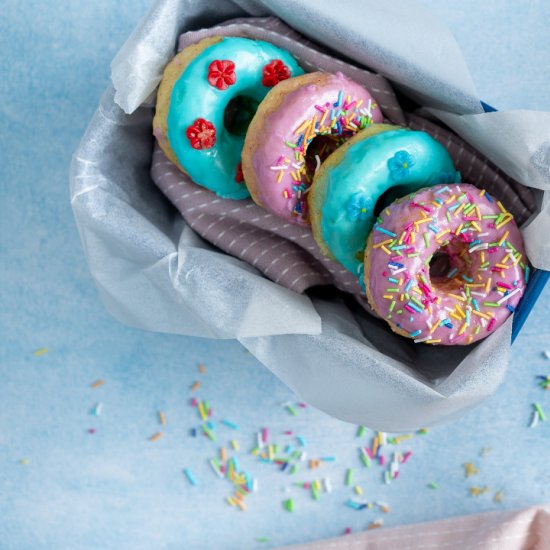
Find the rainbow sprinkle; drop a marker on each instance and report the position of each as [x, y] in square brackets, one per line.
[189, 475]
[538, 415]
[230, 424]
[470, 469]
[376, 524]
[544, 381]
[478, 491]
[289, 505]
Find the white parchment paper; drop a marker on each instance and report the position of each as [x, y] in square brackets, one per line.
[154, 272]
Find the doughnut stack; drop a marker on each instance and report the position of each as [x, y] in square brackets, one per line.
[441, 261]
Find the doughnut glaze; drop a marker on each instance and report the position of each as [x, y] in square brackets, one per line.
[346, 189]
[445, 265]
[202, 81]
[279, 158]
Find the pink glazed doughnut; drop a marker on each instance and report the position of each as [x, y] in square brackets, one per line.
[298, 124]
[445, 265]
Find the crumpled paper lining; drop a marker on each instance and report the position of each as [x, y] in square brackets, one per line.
[508, 139]
[137, 69]
[155, 273]
[152, 270]
[341, 372]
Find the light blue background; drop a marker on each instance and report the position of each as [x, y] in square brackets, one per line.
[115, 489]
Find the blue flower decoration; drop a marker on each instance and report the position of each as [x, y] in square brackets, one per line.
[361, 275]
[445, 177]
[359, 207]
[400, 165]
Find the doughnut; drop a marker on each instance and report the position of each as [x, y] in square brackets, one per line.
[206, 98]
[380, 159]
[297, 125]
[445, 265]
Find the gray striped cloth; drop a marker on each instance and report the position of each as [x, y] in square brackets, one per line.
[285, 253]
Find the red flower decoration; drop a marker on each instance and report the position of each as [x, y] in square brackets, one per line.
[201, 134]
[274, 72]
[221, 74]
[239, 178]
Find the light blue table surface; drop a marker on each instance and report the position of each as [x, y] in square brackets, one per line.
[62, 487]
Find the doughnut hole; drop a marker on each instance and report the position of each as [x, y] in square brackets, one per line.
[322, 147]
[386, 198]
[440, 265]
[449, 265]
[391, 195]
[239, 112]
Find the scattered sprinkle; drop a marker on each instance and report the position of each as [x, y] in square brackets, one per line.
[192, 479]
[534, 419]
[540, 411]
[97, 384]
[538, 415]
[209, 432]
[162, 418]
[477, 491]
[41, 351]
[230, 424]
[357, 505]
[499, 497]
[544, 381]
[156, 436]
[291, 410]
[289, 505]
[196, 385]
[25, 461]
[376, 524]
[433, 485]
[384, 507]
[96, 410]
[470, 469]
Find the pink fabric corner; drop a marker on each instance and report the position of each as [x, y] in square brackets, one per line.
[527, 529]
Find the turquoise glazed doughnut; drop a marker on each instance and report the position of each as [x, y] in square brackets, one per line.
[352, 179]
[216, 73]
